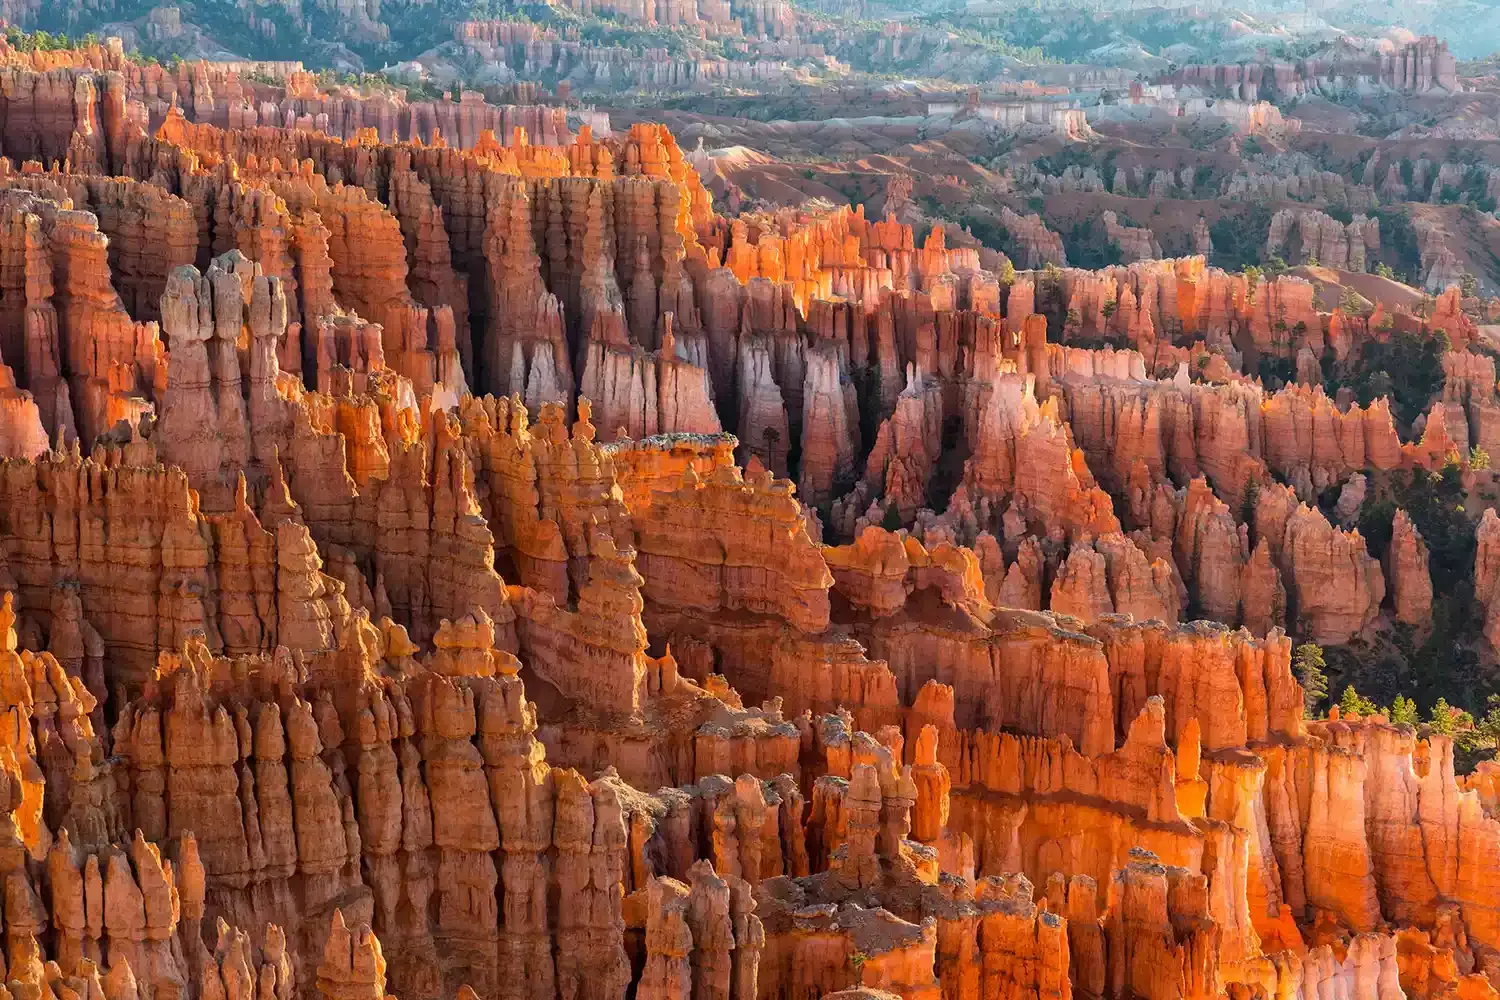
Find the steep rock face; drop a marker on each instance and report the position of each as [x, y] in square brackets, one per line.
[764, 562]
[827, 430]
[507, 470]
[1112, 575]
[150, 232]
[1228, 421]
[1417, 66]
[348, 349]
[1036, 245]
[1189, 667]
[648, 467]
[61, 498]
[205, 427]
[1212, 551]
[1073, 841]
[1411, 584]
[1134, 242]
[1487, 574]
[1283, 318]
[1143, 889]
[1311, 444]
[881, 568]
[22, 433]
[1262, 594]
[364, 245]
[1414, 865]
[108, 359]
[1054, 488]
[1444, 434]
[62, 110]
[763, 421]
[907, 445]
[1081, 589]
[1318, 237]
[1334, 584]
[875, 761]
[1118, 422]
[30, 343]
[1203, 241]
[1004, 410]
[598, 653]
[1469, 381]
[465, 657]
[195, 738]
[643, 395]
[1141, 585]
[314, 830]
[423, 560]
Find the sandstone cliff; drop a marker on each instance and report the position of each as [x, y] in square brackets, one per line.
[869, 660]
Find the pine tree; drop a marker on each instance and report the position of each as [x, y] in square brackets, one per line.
[1404, 710]
[1441, 718]
[1354, 703]
[1308, 664]
[1007, 273]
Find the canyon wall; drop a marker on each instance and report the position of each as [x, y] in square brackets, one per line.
[492, 572]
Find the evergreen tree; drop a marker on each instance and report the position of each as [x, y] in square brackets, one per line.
[1354, 703]
[1404, 710]
[1441, 720]
[1308, 664]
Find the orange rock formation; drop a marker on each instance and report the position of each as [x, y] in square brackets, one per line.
[342, 656]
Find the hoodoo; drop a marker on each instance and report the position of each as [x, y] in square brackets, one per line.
[1028, 541]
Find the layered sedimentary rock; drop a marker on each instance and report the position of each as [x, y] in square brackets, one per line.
[863, 662]
[1419, 66]
[1312, 237]
[1487, 574]
[1411, 581]
[1135, 243]
[1036, 246]
[1335, 585]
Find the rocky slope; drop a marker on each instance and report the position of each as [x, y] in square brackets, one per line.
[487, 570]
